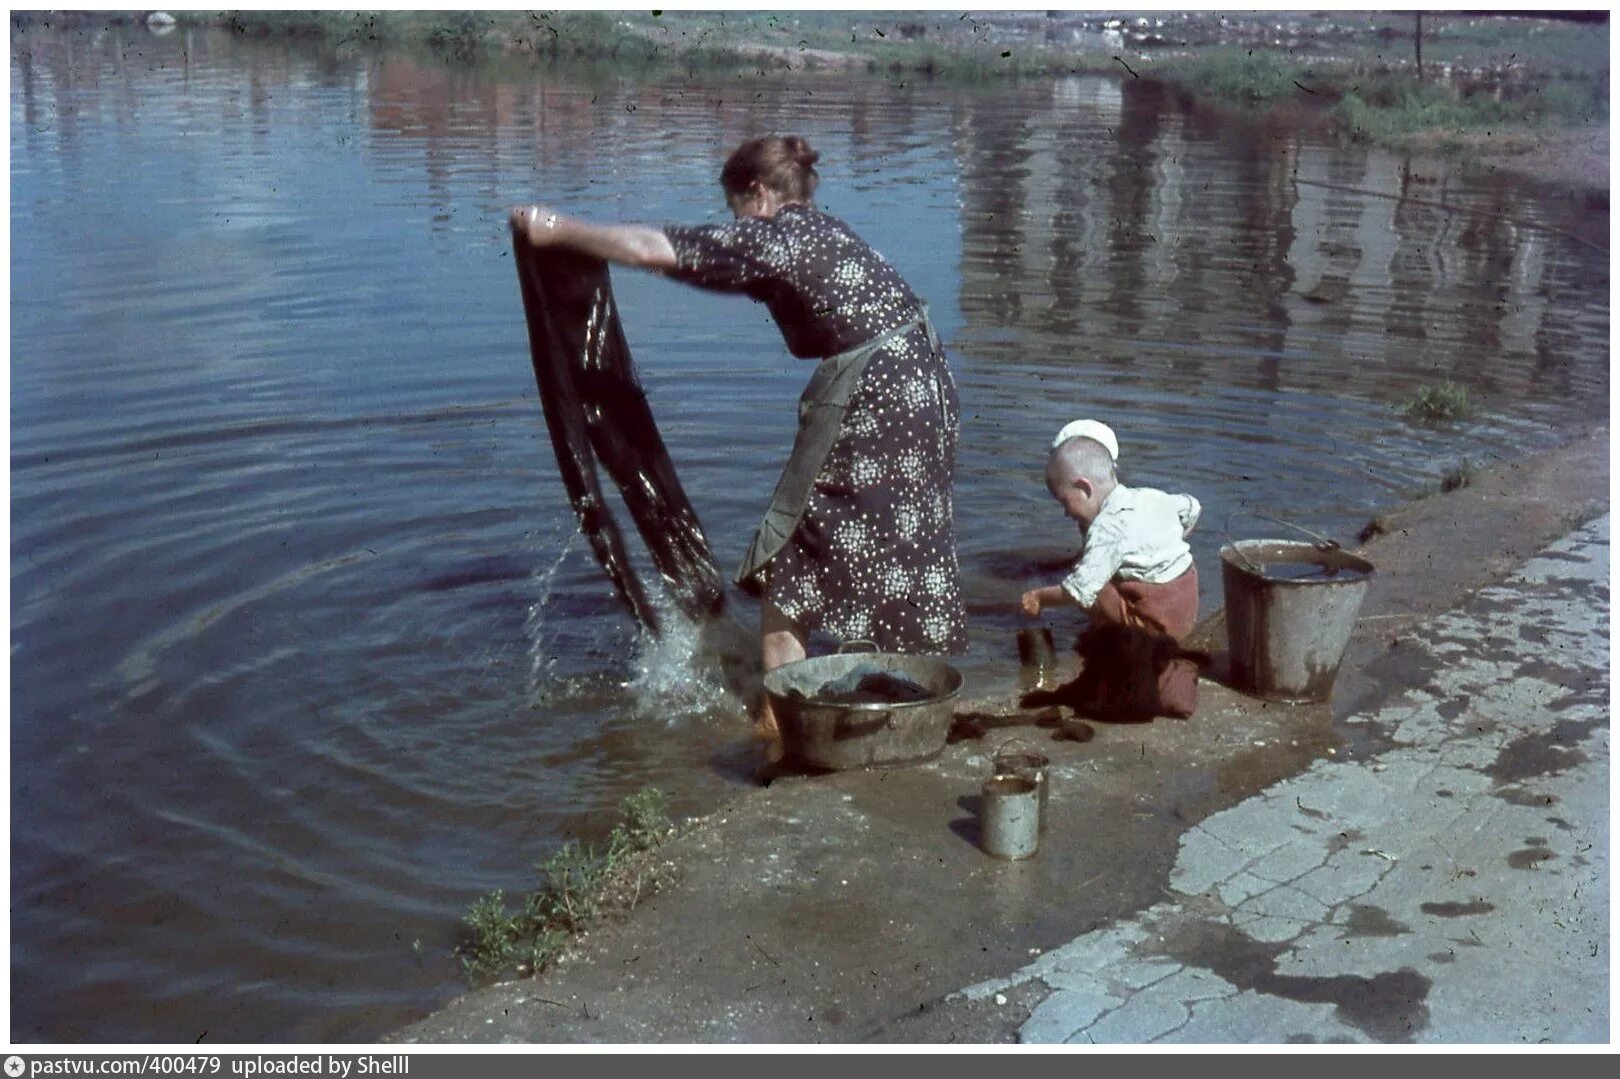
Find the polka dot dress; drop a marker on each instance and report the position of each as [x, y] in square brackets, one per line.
[874, 557]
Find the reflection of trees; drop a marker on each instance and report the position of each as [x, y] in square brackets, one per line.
[1130, 188]
[1142, 232]
[1338, 233]
[993, 164]
[584, 124]
[1486, 249]
[1416, 263]
[1264, 238]
[1563, 316]
[1100, 219]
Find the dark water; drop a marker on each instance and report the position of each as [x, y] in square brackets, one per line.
[305, 654]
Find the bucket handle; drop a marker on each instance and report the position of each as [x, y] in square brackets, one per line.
[1322, 542]
[890, 720]
[1250, 566]
[1229, 545]
[1018, 745]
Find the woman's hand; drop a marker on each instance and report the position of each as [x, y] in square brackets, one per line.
[628, 245]
[537, 223]
[1032, 602]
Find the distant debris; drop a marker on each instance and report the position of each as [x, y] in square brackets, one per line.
[160, 22]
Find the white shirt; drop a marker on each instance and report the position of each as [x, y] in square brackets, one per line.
[1140, 534]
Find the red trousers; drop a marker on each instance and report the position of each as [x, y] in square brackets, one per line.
[1154, 618]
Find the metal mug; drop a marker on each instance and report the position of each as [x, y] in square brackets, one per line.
[1010, 817]
[1020, 758]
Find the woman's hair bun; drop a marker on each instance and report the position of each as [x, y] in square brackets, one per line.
[783, 163]
[800, 151]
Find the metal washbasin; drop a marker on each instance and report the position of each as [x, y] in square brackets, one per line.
[835, 734]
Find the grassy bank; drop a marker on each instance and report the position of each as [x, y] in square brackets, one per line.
[579, 885]
[1385, 101]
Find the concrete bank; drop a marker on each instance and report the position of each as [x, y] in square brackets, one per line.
[857, 906]
[1452, 887]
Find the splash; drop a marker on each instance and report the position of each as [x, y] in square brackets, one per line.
[695, 669]
[542, 657]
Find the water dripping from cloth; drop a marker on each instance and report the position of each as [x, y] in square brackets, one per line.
[543, 658]
[695, 668]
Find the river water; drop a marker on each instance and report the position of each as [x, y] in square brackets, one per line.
[305, 652]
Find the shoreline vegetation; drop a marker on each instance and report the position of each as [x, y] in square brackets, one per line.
[1525, 94]
[579, 885]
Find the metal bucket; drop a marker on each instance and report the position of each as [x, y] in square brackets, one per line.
[1020, 758]
[1010, 817]
[1290, 607]
[835, 734]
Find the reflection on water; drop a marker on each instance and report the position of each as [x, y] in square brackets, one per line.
[305, 652]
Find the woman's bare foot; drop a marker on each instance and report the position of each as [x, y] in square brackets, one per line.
[766, 730]
[765, 725]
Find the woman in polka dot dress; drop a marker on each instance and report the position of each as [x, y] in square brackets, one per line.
[870, 554]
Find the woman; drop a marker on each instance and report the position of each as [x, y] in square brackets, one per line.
[858, 541]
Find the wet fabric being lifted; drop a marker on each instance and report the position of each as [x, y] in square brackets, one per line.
[597, 412]
[872, 553]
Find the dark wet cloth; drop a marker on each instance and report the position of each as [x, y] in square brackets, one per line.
[868, 685]
[1134, 662]
[598, 415]
[873, 556]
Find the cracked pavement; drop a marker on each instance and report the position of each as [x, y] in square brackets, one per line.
[1452, 887]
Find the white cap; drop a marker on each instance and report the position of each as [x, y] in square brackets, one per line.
[1097, 432]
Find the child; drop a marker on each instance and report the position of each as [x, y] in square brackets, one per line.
[1135, 579]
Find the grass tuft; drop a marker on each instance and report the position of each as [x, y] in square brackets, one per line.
[1446, 401]
[1252, 76]
[579, 884]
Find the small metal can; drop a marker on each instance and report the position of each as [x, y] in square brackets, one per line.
[1020, 758]
[1010, 817]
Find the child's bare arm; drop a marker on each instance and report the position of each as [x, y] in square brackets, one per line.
[1051, 596]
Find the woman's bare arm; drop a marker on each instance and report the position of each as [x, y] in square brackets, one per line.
[627, 245]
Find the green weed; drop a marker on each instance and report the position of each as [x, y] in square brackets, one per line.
[1446, 401]
[1393, 109]
[578, 884]
[1251, 76]
[461, 34]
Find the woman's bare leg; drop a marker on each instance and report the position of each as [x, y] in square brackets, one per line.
[781, 640]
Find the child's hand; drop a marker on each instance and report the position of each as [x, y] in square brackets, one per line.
[1032, 602]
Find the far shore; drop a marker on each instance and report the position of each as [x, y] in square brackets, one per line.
[1503, 94]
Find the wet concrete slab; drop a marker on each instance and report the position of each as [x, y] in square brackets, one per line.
[855, 906]
[820, 908]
